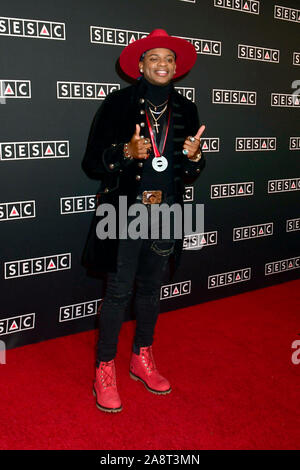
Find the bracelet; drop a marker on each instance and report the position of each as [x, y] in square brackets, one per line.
[197, 157]
[126, 153]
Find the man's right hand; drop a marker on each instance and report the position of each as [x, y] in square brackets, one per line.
[137, 147]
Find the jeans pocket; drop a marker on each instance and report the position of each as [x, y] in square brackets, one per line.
[163, 247]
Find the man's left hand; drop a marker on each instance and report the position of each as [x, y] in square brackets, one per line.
[192, 144]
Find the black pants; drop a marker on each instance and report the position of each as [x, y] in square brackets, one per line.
[141, 264]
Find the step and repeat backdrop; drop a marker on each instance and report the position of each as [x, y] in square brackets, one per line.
[58, 63]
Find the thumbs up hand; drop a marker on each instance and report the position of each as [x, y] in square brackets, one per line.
[137, 147]
[191, 146]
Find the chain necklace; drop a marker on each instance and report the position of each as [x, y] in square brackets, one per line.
[157, 105]
[155, 119]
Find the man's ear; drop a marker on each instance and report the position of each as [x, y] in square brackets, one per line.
[141, 66]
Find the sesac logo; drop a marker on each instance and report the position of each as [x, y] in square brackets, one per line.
[220, 96]
[285, 100]
[292, 225]
[288, 14]
[198, 240]
[16, 324]
[38, 29]
[17, 210]
[123, 37]
[189, 93]
[15, 88]
[34, 150]
[282, 265]
[294, 143]
[113, 36]
[188, 195]
[205, 46]
[210, 144]
[231, 190]
[228, 278]
[258, 53]
[296, 58]
[75, 311]
[245, 6]
[252, 231]
[174, 290]
[85, 90]
[284, 185]
[76, 204]
[32, 266]
[255, 144]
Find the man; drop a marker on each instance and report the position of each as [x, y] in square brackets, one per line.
[143, 143]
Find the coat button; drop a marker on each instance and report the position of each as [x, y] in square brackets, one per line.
[140, 163]
[142, 124]
[138, 177]
[142, 101]
[106, 190]
[186, 171]
[111, 166]
[198, 170]
[142, 111]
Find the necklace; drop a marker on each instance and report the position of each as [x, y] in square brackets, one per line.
[159, 162]
[157, 105]
[154, 112]
[155, 119]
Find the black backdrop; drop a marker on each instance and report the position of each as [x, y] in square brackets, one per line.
[46, 200]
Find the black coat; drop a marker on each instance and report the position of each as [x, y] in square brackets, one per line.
[113, 125]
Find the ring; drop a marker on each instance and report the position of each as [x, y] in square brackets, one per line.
[146, 141]
[185, 152]
[192, 139]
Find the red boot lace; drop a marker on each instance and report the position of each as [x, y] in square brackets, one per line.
[147, 358]
[107, 372]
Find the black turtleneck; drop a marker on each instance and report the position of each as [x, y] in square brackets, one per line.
[152, 179]
[157, 94]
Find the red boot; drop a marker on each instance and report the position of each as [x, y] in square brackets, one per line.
[143, 368]
[105, 388]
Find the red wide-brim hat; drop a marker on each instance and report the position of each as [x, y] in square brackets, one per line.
[185, 52]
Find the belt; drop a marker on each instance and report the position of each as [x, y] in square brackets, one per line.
[151, 197]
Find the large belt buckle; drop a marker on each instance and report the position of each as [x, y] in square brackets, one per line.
[152, 197]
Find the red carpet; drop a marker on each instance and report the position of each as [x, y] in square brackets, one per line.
[228, 361]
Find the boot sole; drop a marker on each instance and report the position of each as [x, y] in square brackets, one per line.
[107, 410]
[157, 392]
